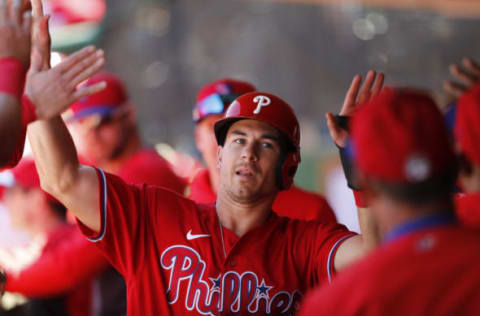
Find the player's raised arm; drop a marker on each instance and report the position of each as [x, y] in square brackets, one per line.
[467, 74]
[355, 247]
[15, 26]
[52, 90]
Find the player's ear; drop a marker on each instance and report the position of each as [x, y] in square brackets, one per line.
[219, 156]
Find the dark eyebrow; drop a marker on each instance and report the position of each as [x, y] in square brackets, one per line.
[264, 136]
[237, 132]
[271, 137]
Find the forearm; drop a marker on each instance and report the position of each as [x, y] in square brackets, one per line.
[10, 127]
[55, 155]
[60, 173]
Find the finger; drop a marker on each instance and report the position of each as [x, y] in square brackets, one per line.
[87, 91]
[351, 96]
[27, 23]
[3, 11]
[377, 88]
[37, 8]
[472, 66]
[74, 58]
[88, 72]
[43, 43]
[83, 64]
[454, 88]
[365, 91]
[336, 132]
[462, 75]
[16, 12]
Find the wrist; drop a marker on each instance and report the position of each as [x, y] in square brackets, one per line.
[12, 76]
[360, 199]
[29, 110]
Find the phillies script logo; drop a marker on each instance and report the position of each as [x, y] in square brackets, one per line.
[231, 292]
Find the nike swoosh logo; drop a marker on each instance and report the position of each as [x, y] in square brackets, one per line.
[191, 236]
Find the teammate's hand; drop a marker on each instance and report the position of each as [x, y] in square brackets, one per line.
[53, 90]
[41, 40]
[467, 75]
[356, 95]
[15, 30]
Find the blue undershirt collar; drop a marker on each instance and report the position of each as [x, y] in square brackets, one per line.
[424, 222]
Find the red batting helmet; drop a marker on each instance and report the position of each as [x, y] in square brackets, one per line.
[270, 109]
[215, 97]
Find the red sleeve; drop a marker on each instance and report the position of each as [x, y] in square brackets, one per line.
[322, 242]
[59, 269]
[28, 116]
[128, 215]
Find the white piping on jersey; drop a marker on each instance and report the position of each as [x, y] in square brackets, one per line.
[330, 256]
[104, 208]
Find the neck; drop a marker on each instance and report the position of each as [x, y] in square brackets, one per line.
[115, 165]
[240, 217]
[393, 214]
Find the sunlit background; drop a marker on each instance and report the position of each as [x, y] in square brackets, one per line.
[304, 51]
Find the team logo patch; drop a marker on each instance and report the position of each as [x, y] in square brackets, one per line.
[229, 292]
[262, 101]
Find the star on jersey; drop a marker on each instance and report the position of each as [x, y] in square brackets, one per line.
[263, 289]
[216, 282]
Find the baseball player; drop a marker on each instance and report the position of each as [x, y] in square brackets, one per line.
[427, 263]
[183, 258]
[17, 110]
[43, 218]
[104, 129]
[467, 137]
[212, 102]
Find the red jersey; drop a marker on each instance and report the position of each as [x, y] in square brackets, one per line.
[177, 259]
[146, 166]
[70, 261]
[314, 206]
[432, 271]
[29, 283]
[467, 207]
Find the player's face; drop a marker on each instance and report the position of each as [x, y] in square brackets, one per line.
[248, 160]
[18, 202]
[206, 141]
[102, 138]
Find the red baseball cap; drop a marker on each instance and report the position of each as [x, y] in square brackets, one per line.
[216, 96]
[400, 136]
[467, 124]
[25, 175]
[102, 103]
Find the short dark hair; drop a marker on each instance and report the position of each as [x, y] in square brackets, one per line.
[431, 190]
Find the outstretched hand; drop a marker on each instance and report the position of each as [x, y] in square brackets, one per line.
[53, 90]
[15, 30]
[356, 95]
[466, 74]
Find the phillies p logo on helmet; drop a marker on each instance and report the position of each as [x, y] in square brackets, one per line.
[261, 100]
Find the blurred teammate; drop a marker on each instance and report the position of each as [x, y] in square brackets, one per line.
[16, 49]
[107, 136]
[179, 257]
[467, 135]
[212, 103]
[427, 263]
[43, 219]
